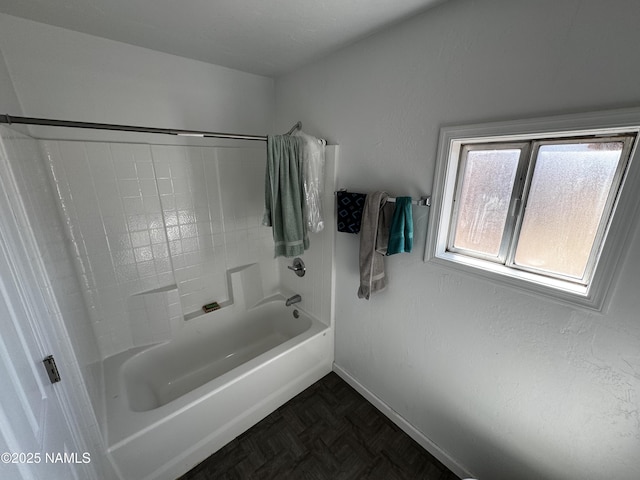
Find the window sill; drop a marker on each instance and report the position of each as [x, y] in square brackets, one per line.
[553, 289]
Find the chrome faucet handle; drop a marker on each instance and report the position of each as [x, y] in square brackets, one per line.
[298, 267]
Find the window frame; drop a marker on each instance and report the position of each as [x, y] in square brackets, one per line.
[614, 234]
[510, 223]
[628, 143]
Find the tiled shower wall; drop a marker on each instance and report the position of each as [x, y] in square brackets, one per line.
[155, 228]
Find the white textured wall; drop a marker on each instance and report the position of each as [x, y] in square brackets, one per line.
[510, 385]
[8, 98]
[67, 75]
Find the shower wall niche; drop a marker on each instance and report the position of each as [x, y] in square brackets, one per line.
[154, 229]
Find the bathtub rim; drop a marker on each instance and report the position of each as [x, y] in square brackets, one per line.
[163, 363]
[124, 425]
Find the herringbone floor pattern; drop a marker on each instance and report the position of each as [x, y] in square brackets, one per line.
[328, 432]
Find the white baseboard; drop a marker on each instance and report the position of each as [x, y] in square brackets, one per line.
[403, 424]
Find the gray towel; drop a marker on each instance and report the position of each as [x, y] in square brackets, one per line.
[374, 238]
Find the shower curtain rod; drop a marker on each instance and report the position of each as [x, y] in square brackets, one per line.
[9, 119]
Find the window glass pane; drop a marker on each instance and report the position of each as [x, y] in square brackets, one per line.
[483, 203]
[568, 194]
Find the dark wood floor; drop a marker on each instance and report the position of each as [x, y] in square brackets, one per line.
[328, 432]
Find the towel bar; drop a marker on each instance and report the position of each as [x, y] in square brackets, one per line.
[424, 201]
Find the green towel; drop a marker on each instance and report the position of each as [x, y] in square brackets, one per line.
[283, 195]
[401, 230]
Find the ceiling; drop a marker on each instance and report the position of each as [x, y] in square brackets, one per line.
[266, 37]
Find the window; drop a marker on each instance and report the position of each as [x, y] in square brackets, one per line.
[538, 208]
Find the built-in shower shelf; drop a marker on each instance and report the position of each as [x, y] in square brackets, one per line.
[199, 313]
[165, 289]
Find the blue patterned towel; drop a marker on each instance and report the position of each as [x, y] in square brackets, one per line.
[350, 207]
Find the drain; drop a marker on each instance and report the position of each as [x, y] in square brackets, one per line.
[296, 314]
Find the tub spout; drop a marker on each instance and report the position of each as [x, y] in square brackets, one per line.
[292, 300]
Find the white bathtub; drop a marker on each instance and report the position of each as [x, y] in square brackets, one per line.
[172, 405]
